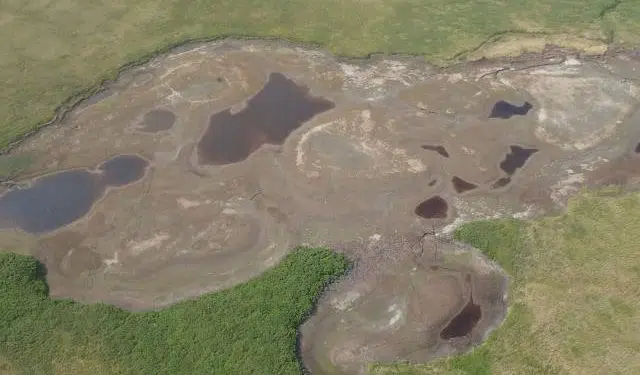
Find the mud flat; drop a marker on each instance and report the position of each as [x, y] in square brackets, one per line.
[244, 150]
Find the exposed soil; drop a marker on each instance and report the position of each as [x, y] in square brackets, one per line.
[247, 149]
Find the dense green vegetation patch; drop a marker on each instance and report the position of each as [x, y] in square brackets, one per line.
[248, 329]
[574, 298]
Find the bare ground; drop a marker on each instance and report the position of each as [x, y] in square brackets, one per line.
[350, 178]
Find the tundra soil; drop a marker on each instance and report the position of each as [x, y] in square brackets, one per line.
[380, 159]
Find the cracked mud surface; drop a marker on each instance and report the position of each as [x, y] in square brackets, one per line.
[354, 175]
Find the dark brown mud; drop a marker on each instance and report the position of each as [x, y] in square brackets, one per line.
[439, 149]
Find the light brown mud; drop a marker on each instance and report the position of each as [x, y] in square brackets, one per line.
[350, 175]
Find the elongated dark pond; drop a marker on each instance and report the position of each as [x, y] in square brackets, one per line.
[516, 158]
[58, 199]
[269, 117]
[437, 148]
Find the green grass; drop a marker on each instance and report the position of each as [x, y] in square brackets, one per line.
[248, 329]
[623, 23]
[51, 51]
[575, 296]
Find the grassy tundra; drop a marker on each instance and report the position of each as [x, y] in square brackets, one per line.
[51, 51]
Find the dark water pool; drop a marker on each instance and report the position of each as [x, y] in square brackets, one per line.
[505, 110]
[56, 200]
[433, 208]
[269, 117]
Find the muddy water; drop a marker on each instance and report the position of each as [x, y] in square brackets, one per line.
[123, 170]
[269, 117]
[505, 110]
[56, 200]
[463, 323]
[157, 120]
[516, 158]
[51, 202]
[462, 186]
[437, 148]
[433, 208]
